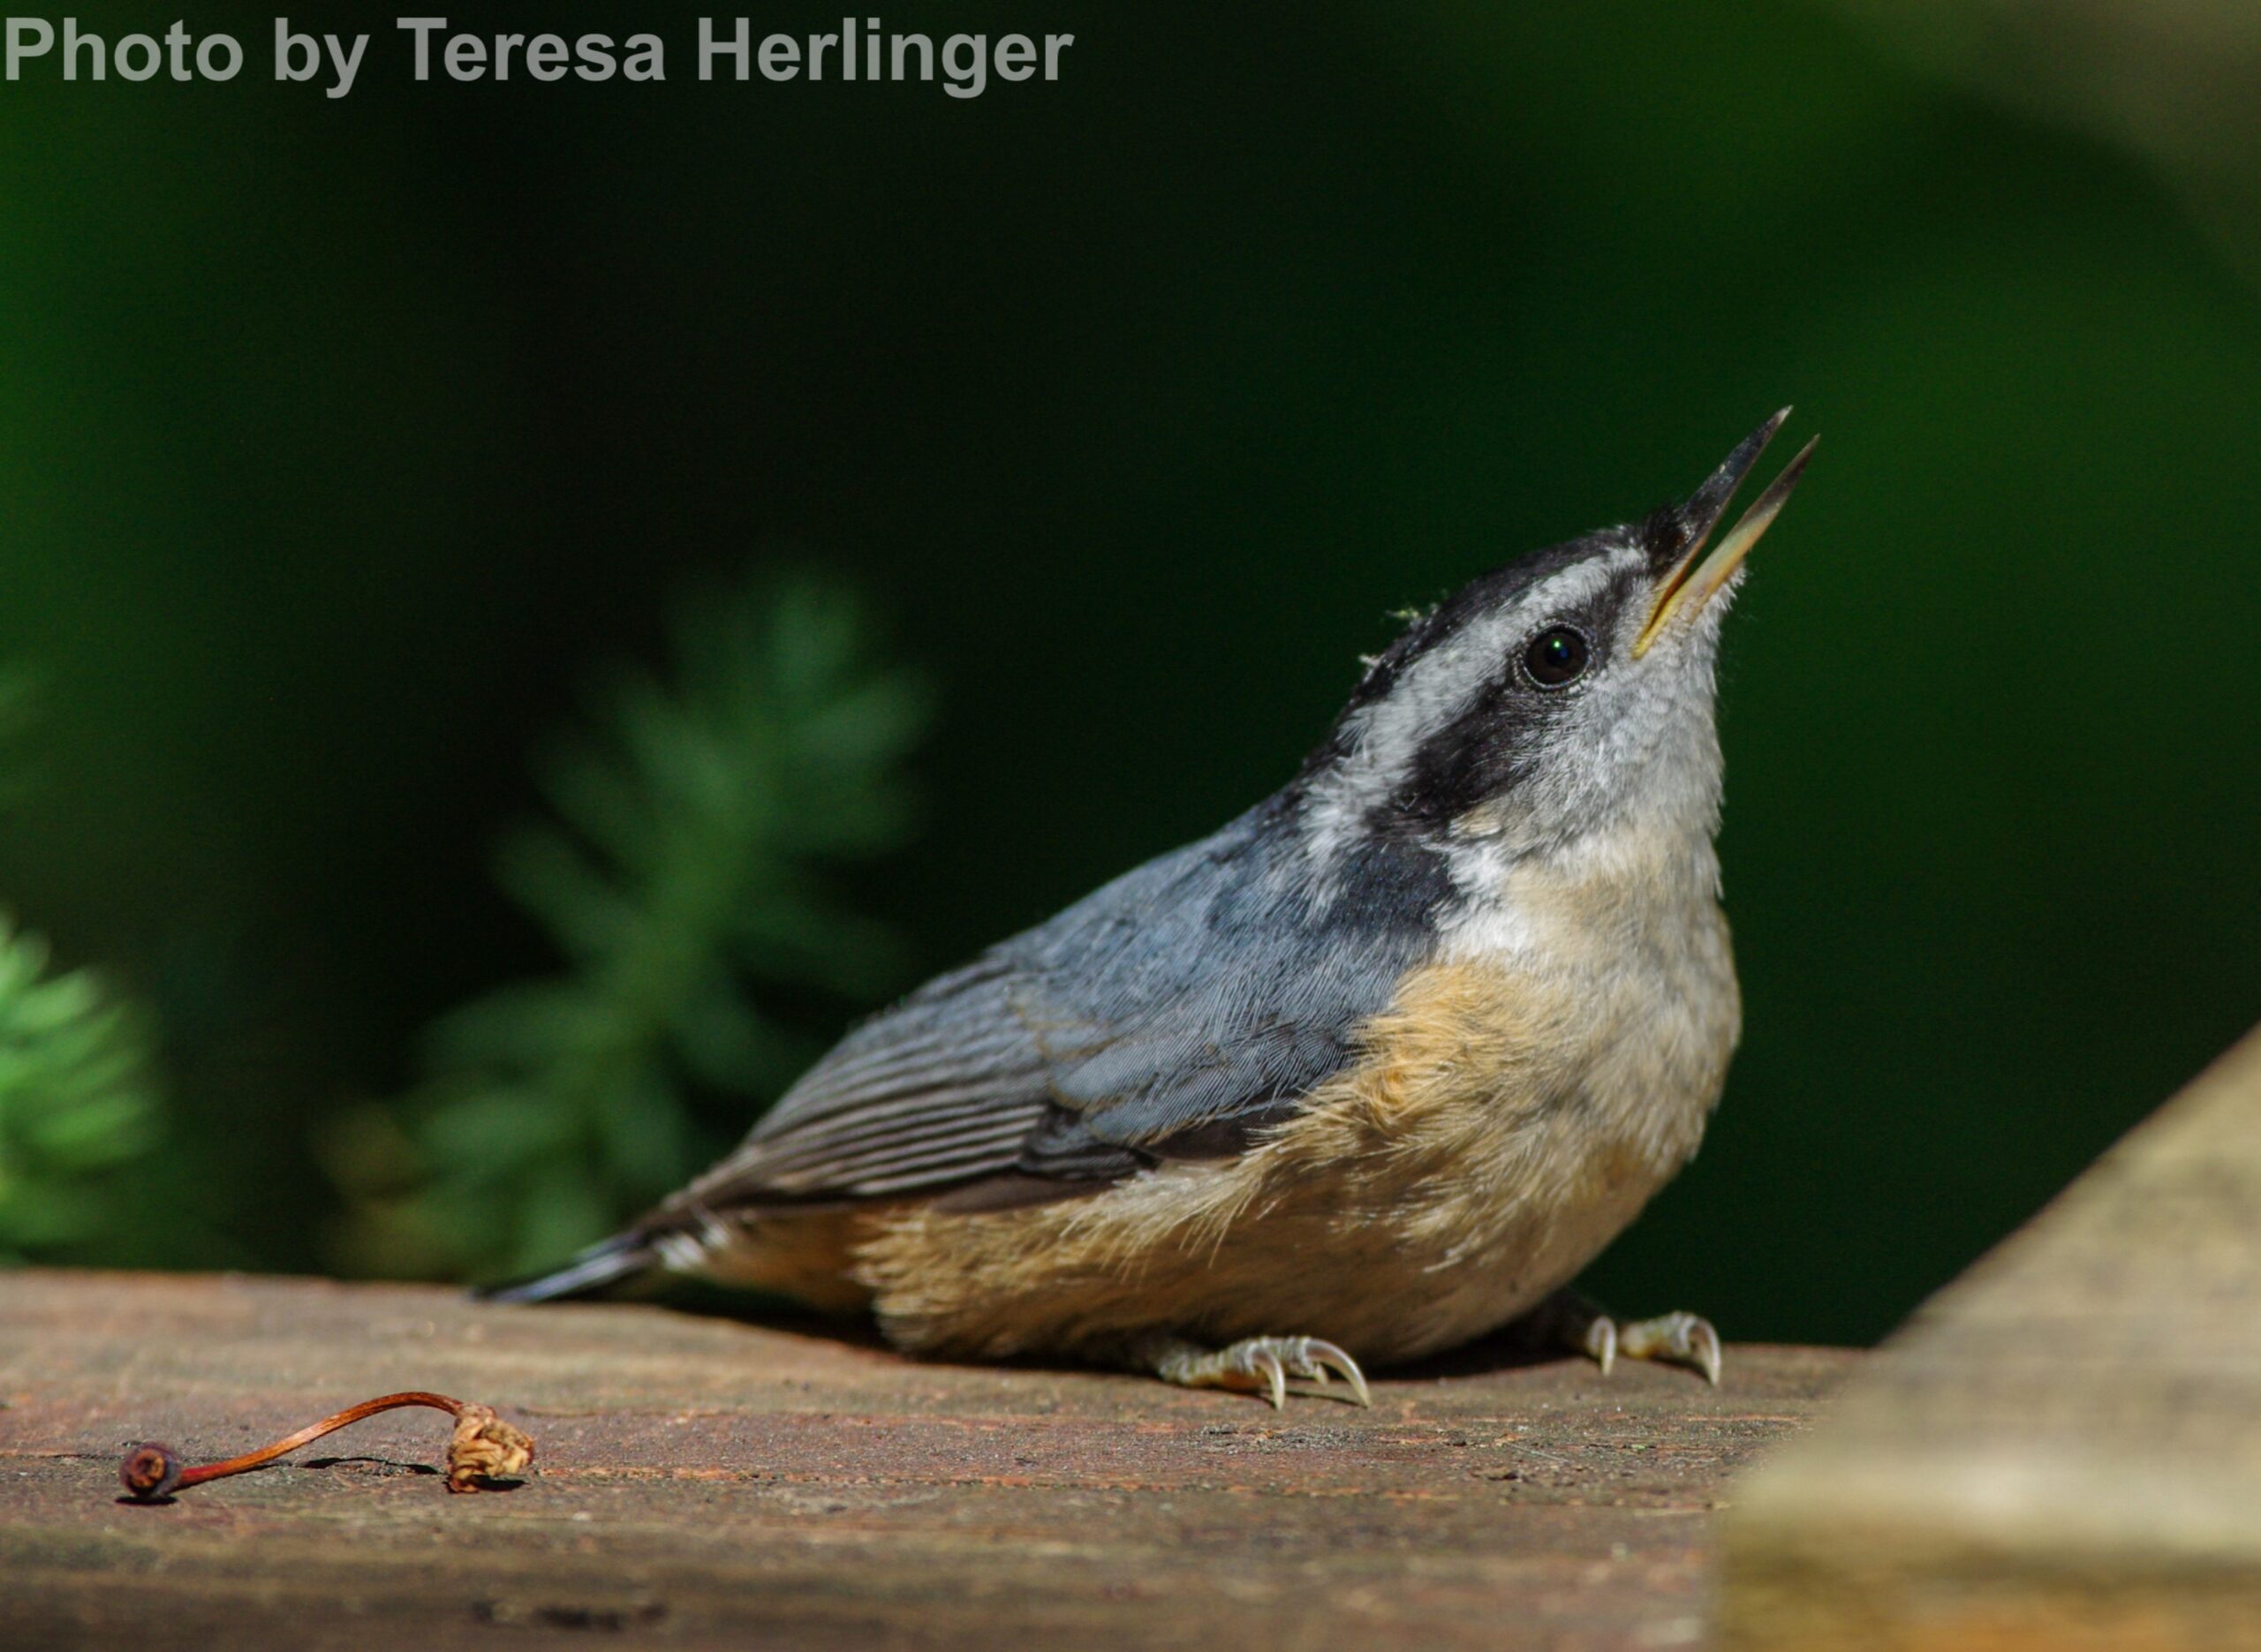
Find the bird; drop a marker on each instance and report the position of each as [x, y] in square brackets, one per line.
[1373, 1071]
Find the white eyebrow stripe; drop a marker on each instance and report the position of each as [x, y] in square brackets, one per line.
[1387, 736]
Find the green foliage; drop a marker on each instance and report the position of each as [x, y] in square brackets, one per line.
[77, 1106]
[682, 880]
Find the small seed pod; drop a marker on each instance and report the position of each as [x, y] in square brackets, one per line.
[150, 1471]
[485, 1449]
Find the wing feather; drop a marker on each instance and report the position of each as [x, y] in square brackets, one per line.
[1183, 1006]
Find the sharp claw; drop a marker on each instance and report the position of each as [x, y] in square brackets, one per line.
[1569, 1320]
[1268, 1365]
[1356, 1378]
[1602, 1343]
[1675, 1339]
[1263, 1365]
[1325, 1356]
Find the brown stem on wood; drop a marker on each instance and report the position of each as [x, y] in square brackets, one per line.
[483, 1449]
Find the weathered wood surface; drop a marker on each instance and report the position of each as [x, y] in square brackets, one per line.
[701, 1480]
[2062, 1450]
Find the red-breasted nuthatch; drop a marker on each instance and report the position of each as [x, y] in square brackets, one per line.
[1378, 1067]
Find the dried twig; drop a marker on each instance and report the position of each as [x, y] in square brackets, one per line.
[483, 1449]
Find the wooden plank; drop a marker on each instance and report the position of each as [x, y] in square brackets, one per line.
[699, 1480]
[2063, 1449]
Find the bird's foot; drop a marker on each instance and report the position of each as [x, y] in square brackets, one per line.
[1572, 1322]
[1254, 1365]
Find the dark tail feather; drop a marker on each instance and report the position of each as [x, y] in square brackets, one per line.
[619, 1257]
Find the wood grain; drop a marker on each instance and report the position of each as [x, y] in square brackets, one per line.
[701, 1480]
[2062, 1450]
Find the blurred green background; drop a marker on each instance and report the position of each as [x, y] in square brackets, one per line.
[344, 442]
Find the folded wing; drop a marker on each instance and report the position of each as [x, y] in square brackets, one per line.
[1175, 1013]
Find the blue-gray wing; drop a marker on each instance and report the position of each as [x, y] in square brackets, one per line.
[940, 1088]
[1173, 1012]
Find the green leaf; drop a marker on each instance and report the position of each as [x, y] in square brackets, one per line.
[693, 831]
[79, 1111]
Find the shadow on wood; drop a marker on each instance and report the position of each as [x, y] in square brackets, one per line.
[705, 1481]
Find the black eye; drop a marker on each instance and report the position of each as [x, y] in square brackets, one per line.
[1557, 657]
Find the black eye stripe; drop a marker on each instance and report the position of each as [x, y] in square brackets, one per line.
[1557, 657]
[1485, 748]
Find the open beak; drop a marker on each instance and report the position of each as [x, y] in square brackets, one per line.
[1689, 582]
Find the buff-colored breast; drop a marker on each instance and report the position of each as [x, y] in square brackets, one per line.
[1495, 1135]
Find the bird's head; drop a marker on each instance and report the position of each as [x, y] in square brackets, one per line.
[1566, 695]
